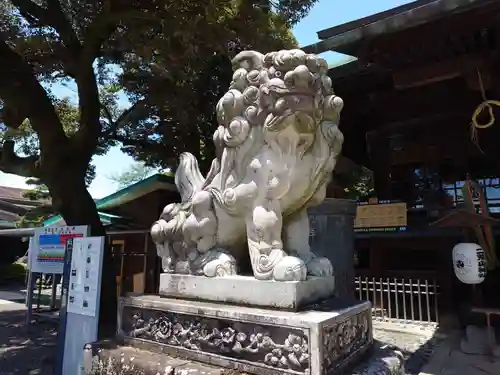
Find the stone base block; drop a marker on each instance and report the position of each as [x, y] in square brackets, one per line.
[104, 358]
[247, 291]
[323, 341]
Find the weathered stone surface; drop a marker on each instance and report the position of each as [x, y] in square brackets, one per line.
[383, 362]
[332, 237]
[476, 340]
[277, 143]
[258, 341]
[108, 358]
[132, 361]
[248, 291]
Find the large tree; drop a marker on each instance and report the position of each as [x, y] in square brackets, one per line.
[166, 49]
[178, 82]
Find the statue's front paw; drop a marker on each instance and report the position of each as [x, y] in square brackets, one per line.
[321, 267]
[168, 265]
[290, 269]
[218, 264]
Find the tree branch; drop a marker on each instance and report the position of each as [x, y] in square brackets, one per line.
[125, 116]
[21, 166]
[143, 144]
[17, 79]
[104, 25]
[52, 16]
[108, 114]
[90, 111]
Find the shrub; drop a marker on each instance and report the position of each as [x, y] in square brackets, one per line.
[13, 273]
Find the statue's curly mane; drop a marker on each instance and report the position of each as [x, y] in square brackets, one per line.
[260, 86]
[259, 97]
[264, 91]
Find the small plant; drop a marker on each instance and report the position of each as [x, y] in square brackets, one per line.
[112, 366]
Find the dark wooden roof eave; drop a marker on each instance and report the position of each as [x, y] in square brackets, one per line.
[345, 38]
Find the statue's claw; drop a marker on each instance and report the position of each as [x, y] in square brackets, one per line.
[321, 267]
[290, 269]
[216, 263]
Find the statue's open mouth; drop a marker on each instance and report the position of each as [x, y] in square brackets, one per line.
[298, 103]
[304, 122]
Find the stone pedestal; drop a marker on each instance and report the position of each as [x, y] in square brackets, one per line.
[332, 236]
[247, 291]
[320, 341]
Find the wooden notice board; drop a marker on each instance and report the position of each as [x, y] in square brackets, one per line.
[380, 216]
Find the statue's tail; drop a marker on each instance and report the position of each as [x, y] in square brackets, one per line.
[188, 177]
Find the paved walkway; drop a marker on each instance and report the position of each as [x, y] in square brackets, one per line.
[30, 351]
[23, 350]
[8, 296]
[448, 359]
[11, 301]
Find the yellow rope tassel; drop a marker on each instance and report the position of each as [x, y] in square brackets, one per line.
[480, 108]
[490, 251]
[486, 104]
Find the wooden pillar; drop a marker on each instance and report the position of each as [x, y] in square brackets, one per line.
[380, 156]
[332, 223]
[376, 260]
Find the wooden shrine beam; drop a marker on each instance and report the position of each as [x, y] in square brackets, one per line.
[442, 71]
[428, 154]
[430, 39]
[424, 121]
[405, 105]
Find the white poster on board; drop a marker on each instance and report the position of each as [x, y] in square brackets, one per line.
[49, 247]
[85, 273]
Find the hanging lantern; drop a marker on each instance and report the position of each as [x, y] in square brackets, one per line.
[469, 263]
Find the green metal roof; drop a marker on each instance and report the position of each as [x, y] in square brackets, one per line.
[344, 61]
[7, 224]
[158, 181]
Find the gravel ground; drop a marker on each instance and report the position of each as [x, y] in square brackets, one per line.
[31, 352]
[25, 351]
[417, 349]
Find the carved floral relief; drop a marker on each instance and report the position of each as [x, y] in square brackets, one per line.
[278, 347]
[344, 339]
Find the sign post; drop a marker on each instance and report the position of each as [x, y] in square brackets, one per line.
[83, 296]
[46, 255]
[61, 332]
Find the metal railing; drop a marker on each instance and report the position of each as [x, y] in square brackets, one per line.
[408, 301]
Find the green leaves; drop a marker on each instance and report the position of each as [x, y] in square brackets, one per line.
[182, 71]
[170, 57]
[137, 172]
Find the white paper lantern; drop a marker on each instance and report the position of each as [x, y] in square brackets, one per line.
[469, 263]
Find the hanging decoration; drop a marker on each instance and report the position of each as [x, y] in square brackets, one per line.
[469, 263]
[486, 104]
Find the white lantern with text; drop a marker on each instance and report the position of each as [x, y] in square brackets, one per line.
[469, 263]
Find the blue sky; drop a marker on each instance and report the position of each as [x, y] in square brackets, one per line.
[325, 14]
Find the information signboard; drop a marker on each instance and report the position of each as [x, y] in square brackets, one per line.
[49, 247]
[86, 266]
[381, 217]
[85, 260]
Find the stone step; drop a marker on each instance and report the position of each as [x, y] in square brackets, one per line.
[107, 357]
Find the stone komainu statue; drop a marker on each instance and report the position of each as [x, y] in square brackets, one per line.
[276, 146]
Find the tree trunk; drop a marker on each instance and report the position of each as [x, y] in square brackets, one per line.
[75, 204]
